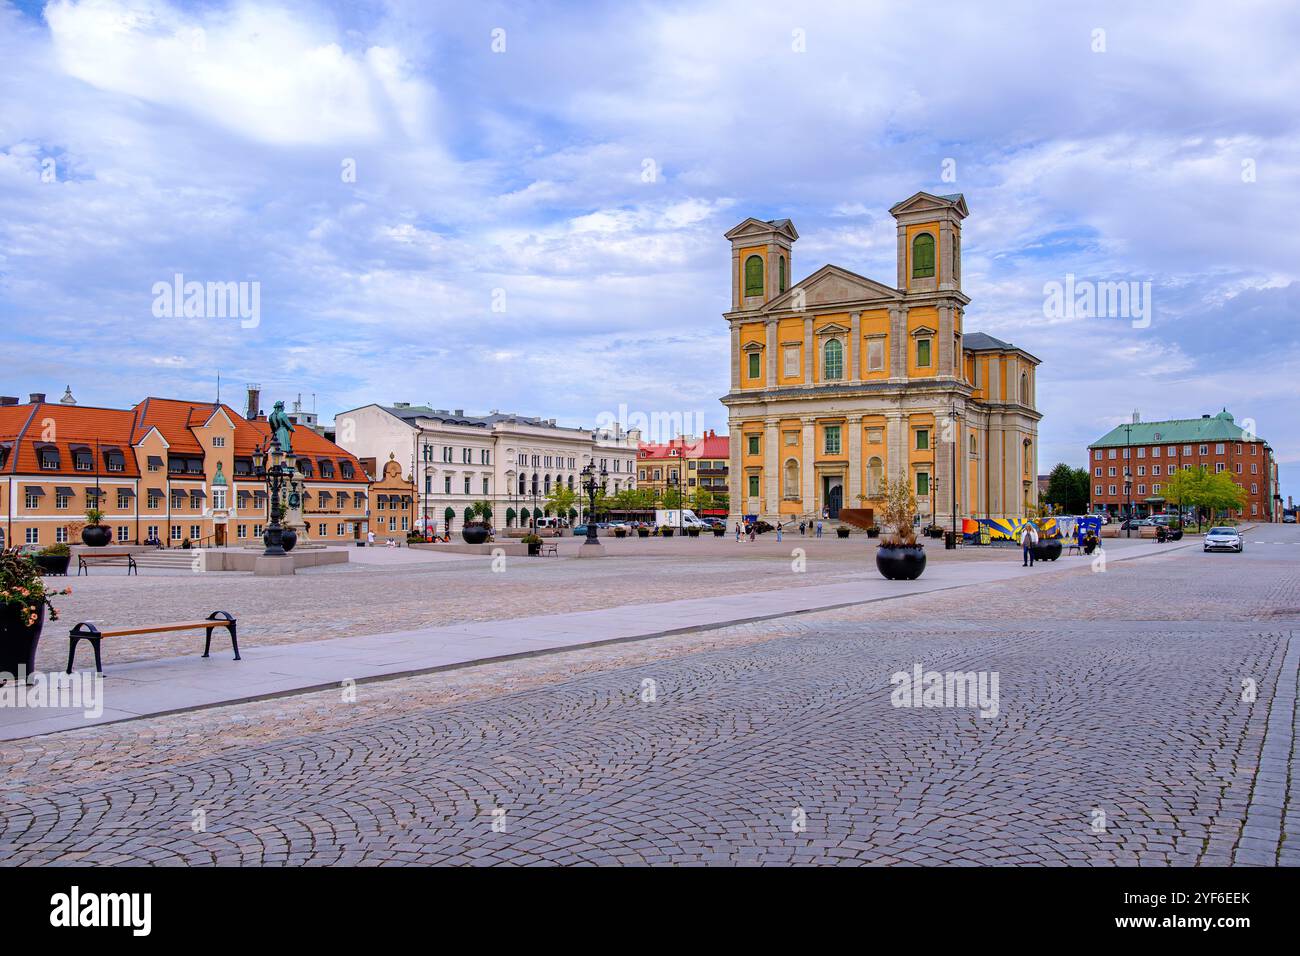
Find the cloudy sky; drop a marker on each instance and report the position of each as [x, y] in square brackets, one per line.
[521, 205]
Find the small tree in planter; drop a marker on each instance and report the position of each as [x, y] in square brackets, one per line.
[24, 599]
[95, 534]
[534, 543]
[900, 557]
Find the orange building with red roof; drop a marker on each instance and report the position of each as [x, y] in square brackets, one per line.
[163, 470]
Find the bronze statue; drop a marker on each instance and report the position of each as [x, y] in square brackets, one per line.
[281, 428]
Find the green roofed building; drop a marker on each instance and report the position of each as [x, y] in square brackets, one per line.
[1132, 462]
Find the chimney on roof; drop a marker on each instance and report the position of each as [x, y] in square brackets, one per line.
[460, 413]
[36, 398]
[1136, 417]
[254, 400]
[8, 400]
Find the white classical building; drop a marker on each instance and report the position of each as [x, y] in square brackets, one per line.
[512, 461]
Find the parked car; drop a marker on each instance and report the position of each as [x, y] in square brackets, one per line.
[1223, 539]
[1288, 519]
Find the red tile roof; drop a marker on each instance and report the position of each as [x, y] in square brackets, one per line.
[28, 426]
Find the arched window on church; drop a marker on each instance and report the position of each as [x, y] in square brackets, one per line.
[974, 447]
[875, 477]
[923, 256]
[791, 478]
[754, 275]
[1024, 387]
[833, 360]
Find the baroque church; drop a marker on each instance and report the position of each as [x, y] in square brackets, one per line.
[838, 381]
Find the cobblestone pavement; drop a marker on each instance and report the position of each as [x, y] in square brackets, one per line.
[400, 592]
[1119, 693]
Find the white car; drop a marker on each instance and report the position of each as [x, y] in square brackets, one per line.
[1223, 539]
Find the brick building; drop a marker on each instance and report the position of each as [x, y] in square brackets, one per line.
[691, 462]
[1147, 453]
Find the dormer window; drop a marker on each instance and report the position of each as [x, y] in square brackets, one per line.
[346, 470]
[82, 459]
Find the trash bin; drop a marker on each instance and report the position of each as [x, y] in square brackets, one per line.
[949, 540]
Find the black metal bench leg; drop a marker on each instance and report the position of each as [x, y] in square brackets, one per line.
[234, 640]
[207, 645]
[94, 642]
[72, 650]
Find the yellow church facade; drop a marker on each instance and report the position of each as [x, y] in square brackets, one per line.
[838, 381]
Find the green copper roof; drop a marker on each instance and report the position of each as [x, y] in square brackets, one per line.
[1178, 431]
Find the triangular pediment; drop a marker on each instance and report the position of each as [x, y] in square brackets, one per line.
[759, 227]
[923, 330]
[829, 286]
[927, 202]
[833, 328]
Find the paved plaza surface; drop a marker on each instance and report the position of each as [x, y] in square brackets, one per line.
[1121, 737]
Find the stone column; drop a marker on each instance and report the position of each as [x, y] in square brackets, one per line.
[945, 258]
[808, 358]
[771, 468]
[737, 280]
[895, 444]
[735, 357]
[854, 425]
[854, 370]
[771, 353]
[736, 489]
[808, 466]
[898, 341]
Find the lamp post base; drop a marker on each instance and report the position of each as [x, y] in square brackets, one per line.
[591, 550]
[273, 566]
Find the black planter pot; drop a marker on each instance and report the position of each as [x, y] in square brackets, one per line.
[693, 532]
[841, 532]
[900, 563]
[873, 532]
[719, 532]
[666, 532]
[534, 548]
[1047, 550]
[474, 533]
[1175, 536]
[53, 563]
[18, 641]
[643, 532]
[96, 535]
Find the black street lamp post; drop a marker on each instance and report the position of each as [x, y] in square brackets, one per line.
[1128, 497]
[275, 475]
[674, 484]
[590, 485]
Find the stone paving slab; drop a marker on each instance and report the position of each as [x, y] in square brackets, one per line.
[154, 687]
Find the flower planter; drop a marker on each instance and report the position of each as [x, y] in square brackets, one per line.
[534, 548]
[1048, 550]
[643, 532]
[620, 532]
[53, 563]
[841, 532]
[693, 532]
[873, 532]
[96, 535]
[18, 641]
[474, 533]
[899, 562]
[1176, 535]
[719, 532]
[666, 532]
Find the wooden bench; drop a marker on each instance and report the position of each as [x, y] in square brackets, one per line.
[88, 631]
[106, 555]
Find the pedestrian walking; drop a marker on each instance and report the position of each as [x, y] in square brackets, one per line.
[803, 526]
[819, 529]
[778, 531]
[737, 532]
[1028, 538]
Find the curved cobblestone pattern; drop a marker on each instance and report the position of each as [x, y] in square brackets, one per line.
[735, 741]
